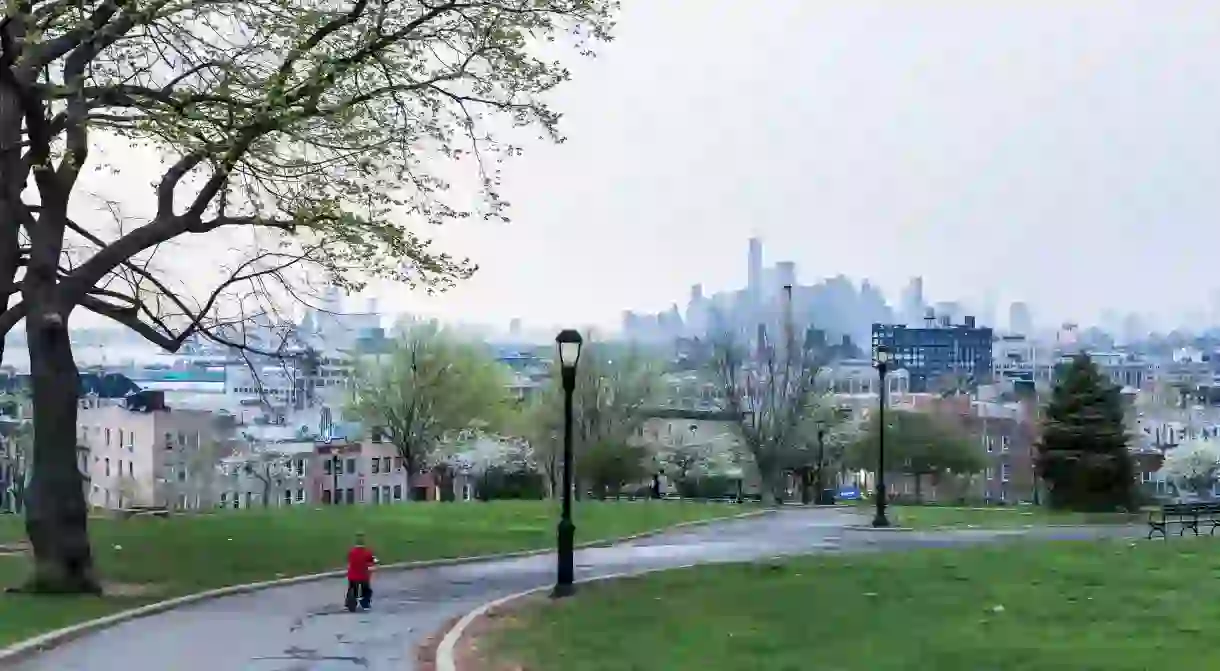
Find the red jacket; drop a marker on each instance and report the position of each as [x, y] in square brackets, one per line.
[360, 561]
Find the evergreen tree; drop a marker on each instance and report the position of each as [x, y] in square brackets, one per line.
[1083, 455]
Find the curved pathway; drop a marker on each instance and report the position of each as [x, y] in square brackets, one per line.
[304, 627]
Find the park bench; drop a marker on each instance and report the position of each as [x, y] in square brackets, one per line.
[1186, 516]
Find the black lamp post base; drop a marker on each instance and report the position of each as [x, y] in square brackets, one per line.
[880, 522]
[566, 546]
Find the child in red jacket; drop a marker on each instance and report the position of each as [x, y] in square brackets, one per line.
[360, 562]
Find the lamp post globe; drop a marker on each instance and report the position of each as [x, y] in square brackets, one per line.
[568, 342]
[881, 360]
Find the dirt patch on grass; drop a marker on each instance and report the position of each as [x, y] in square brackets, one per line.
[471, 652]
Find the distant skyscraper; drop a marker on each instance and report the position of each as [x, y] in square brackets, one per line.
[986, 312]
[1134, 329]
[911, 312]
[1019, 319]
[754, 279]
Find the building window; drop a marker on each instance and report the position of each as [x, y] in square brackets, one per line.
[376, 495]
[120, 468]
[1004, 469]
[182, 439]
[397, 492]
[351, 495]
[989, 474]
[325, 496]
[120, 437]
[1005, 441]
[224, 497]
[327, 466]
[351, 465]
[300, 496]
[169, 440]
[107, 436]
[376, 465]
[287, 497]
[397, 465]
[130, 467]
[182, 474]
[107, 466]
[301, 467]
[385, 494]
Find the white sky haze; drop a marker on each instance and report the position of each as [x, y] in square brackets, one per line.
[1065, 153]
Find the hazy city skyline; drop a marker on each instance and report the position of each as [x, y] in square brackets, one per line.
[1058, 154]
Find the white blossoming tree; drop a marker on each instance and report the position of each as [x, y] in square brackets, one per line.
[1193, 466]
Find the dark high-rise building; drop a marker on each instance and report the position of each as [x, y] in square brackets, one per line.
[929, 354]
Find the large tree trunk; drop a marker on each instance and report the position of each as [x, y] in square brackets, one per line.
[806, 476]
[771, 482]
[56, 511]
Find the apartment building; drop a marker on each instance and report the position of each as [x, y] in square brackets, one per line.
[143, 454]
[372, 472]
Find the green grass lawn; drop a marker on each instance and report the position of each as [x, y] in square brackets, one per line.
[1079, 606]
[171, 557]
[11, 529]
[925, 517]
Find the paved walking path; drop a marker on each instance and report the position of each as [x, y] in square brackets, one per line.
[304, 627]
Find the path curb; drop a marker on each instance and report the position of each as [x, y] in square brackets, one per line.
[444, 651]
[31, 646]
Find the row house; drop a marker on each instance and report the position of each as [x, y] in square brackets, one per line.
[339, 472]
[371, 471]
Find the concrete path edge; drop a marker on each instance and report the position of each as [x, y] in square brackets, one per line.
[445, 660]
[32, 646]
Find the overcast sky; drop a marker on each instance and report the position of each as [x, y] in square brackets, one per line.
[1065, 153]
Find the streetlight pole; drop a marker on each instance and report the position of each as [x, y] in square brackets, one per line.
[820, 496]
[568, 342]
[882, 362]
